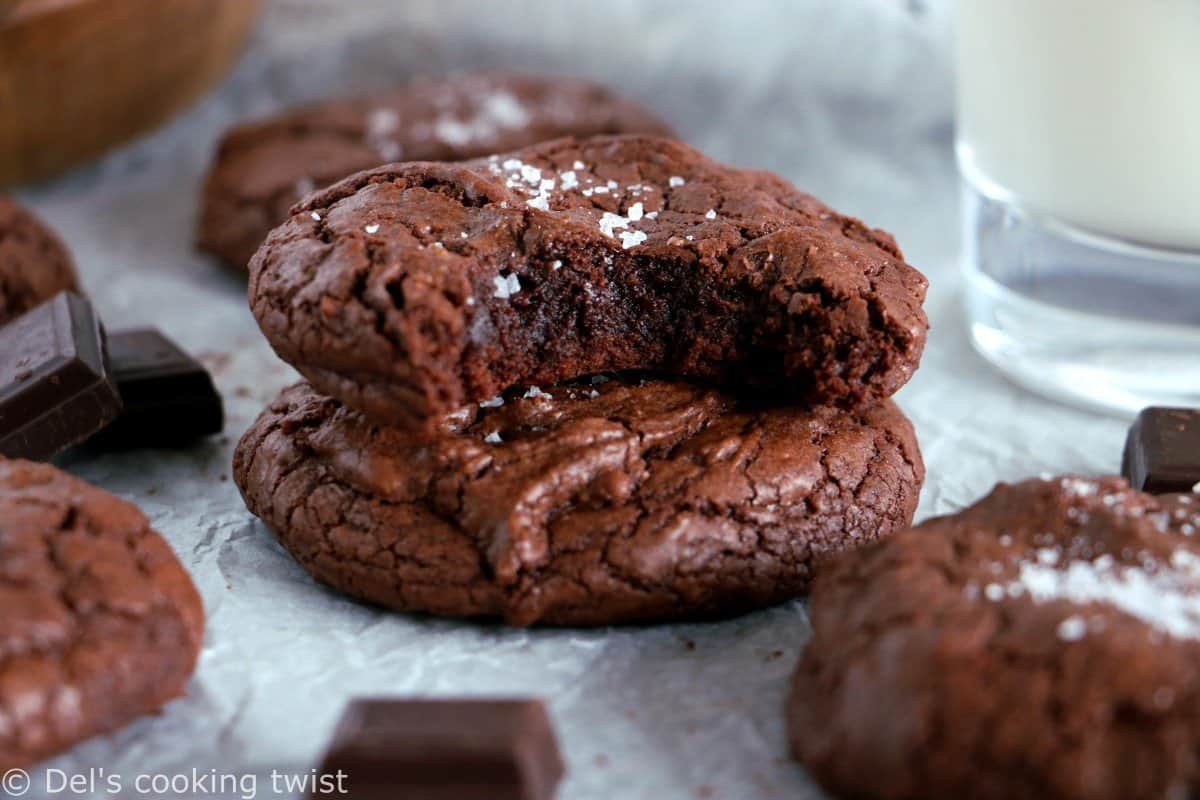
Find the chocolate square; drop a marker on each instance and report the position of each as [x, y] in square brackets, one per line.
[55, 387]
[1162, 452]
[486, 749]
[169, 397]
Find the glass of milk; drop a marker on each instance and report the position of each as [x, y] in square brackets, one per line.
[1079, 145]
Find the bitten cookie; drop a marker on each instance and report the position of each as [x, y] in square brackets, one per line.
[1044, 642]
[579, 504]
[263, 168]
[99, 623]
[34, 264]
[411, 290]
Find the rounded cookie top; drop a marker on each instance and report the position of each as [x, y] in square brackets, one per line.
[586, 504]
[410, 290]
[262, 168]
[34, 264]
[99, 623]
[1044, 642]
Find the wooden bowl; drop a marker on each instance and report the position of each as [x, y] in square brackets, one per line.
[78, 77]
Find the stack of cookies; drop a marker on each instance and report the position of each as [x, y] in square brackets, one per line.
[591, 381]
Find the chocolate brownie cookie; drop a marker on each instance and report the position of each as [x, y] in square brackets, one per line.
[99, 623]
[263, 168]
[578, 504]
[34, 265]
[1044, 642]
[411, 290]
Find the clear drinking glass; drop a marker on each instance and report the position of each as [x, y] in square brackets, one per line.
[1079, 147]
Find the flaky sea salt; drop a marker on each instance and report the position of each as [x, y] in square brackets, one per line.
[534, 393]
[530, 174]
[506, 286]
[635, 212]
[675, 181]
[373, 228]
[1072, 629]
[382, 122]
[1081, 487]
[1165, 596]
[632, 239]
[315, 215]
[506, 110]
[493, 438]
[610, 222]
[710, 214]
[495, 402]
[496, 111]
[557, 265]
[568, 179]
[381, 125]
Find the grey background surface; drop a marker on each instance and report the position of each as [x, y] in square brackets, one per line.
[850, 99]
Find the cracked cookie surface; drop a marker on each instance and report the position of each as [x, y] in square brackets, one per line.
[99, 622]
[414, 289]
[262, 168]
[34, 264]
[580, 504]
[1044, 642]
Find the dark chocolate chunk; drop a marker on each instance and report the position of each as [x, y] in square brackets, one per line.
[1162, 453]
[445, 750]
[169, 398]
[55, 389]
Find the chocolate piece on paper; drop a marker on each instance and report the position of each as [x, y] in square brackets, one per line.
[55, 389]
[1162, 452]
[484, 749]
[169, 398]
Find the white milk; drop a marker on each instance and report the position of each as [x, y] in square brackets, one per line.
[1087, 111]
